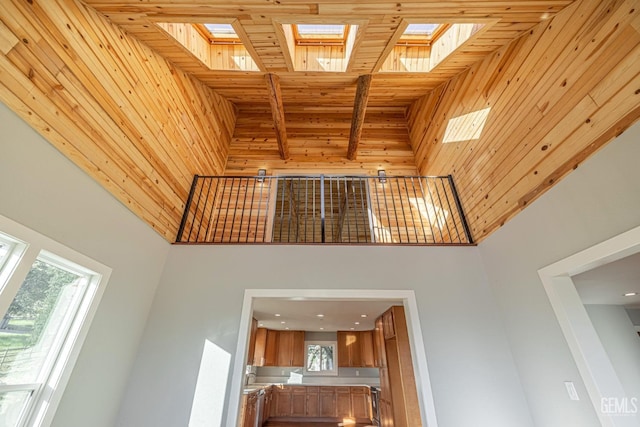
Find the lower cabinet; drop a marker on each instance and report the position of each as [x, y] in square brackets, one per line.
[327, 402]
[333, 402]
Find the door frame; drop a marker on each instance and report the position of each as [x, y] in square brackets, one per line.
[594, 365]
[406, 297]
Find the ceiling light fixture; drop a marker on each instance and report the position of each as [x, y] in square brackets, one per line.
[320, 315]
[352, 328]
[356, 323]
[630, 294]
[322, 329]
[363, 315]
[277, 315]
[283, 323]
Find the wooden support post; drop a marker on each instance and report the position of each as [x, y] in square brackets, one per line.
[277, 111]
[357, 119]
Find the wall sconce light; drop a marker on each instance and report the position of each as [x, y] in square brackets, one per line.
[382, 176]
[261, 174]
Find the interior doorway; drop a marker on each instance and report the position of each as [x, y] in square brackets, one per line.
[406, 298]
[597, 372]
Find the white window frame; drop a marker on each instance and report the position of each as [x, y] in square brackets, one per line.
[334, 371]
[29, 245]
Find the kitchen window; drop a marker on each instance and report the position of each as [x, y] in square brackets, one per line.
[321, 358]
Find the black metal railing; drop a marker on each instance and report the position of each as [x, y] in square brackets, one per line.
[324, 209]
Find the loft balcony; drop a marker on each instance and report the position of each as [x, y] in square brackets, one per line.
[404, 210]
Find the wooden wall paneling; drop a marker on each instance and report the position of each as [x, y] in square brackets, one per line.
[108, 85]
[538, 97]
[549, 105]
[318, 141]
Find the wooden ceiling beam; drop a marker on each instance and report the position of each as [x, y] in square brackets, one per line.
[277, 111]
[357, 119]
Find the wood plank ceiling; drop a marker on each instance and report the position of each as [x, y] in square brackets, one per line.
[542, 83]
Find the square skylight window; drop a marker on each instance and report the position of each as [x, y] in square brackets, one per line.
[425, 30]
[221, 33]
[321, 31]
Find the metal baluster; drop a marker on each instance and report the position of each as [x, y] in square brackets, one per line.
[253, 193]
[283, 182]
[452, 213]
[213, 209]
[404, 216]
[322, 213]
[204, 209]
[395, 212]
[370, 211]
[413, 217]
[187, 209]
[195, 211]
[415, 197]
[224, 188]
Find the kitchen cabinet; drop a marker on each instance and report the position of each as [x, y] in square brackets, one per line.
[398, 396]
[250, 412]
[388, 324]
[312, 404]
[343, 402]
[268, 402]
[327, 402]
[252, 342]
[290, 348]
[360, 403]
[298, 402]
[378, 344]
[264, 353]
[281, 402]
[355, 349]
[367, 353]
[278, 348]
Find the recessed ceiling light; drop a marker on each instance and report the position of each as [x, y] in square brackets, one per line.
[630, 294]
[320, 315]
[352, 328]
[260, 324]
[322, 329]
[363, 315]
[287, 329]
[277, 315]
[356, 323]
[283, 322]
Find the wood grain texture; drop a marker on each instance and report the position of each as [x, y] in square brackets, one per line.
[378, 22]
[121, 112]
[318, 142]
[277, 112]
[358, 115]
[553, 97]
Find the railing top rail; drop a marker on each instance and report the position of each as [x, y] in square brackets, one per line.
[326, 176]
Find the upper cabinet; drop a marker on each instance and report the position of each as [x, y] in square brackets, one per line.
[252, 342]
[290, 348]
[355, 349]
[278, 348]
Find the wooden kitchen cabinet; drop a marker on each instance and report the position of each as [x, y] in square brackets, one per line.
[388, 324]
[281, 406]
[252, 342]
[312, 407]
[343, 402]
[266, 347]
[268, 403]
[250, 410]
[298, 402]
[355, 349]
[327, 402]
[367, 354]
[290, 348]
[360, 403]
[378, 343]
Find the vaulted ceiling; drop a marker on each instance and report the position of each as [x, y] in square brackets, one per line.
[133, 96]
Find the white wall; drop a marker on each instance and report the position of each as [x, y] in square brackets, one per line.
[595, 202]
[200, 298]
[43, 190]
[621, 342]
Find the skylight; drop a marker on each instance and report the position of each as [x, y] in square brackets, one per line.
[220, 33]
[320, 33]
[422, 33]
